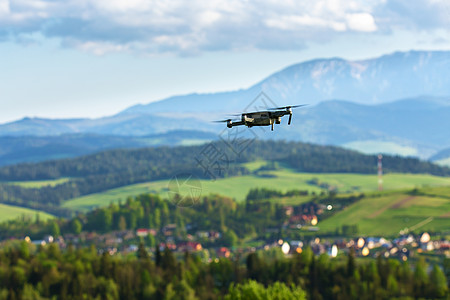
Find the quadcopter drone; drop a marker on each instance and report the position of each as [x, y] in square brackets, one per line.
[270, 116]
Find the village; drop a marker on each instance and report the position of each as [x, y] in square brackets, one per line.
[127, 242]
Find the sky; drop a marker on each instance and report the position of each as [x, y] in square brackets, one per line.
[94, 58]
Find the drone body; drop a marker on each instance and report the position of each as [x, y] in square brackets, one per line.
[262, 118]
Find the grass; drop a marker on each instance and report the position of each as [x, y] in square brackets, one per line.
[38, 183]
[254, 165]
[9, 212]
[283, 180]
[92, 201]
[391, 213]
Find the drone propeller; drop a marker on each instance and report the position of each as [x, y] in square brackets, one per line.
[287, 107]
[222, 121]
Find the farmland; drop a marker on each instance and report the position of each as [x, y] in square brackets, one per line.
[8, 212]
[283, 180]
[392, 213]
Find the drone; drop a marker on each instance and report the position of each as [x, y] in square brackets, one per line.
[268, 117]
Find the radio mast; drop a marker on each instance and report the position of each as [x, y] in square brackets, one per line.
[380, 172]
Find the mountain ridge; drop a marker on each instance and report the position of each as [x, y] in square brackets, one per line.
[366, 113]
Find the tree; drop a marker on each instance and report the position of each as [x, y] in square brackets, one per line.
[157, 218]
[104, 219]
[230, 238]
[141, 252]
[151, 240]
[122, 223]
[183, 291]
[438, 283]
[54, 228]
[253, 290]
[351, 263]
[168, 260]
[76, 226]
[253, 263]
[420, 278]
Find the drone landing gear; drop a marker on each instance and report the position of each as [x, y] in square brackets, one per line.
[272, 126]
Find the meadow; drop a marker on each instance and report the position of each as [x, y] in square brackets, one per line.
[282, 180]
[396, 212]
[38, 183]
[9, 212]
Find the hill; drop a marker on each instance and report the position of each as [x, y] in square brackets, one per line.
[9, 212]
[281, 180]
[116, 168]
[391, 213]
[18, 149]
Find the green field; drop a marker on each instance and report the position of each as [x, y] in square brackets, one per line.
[8, 212]
[38, 183]
[393, 212]
[283, 180]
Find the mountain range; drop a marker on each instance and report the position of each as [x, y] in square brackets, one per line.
[397, 103]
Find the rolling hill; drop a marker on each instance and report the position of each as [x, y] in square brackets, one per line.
[9, 212]
[280, 180]
[390, 213]
[19, 149]
[118, 168]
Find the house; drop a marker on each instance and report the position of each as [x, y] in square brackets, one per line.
[142, 232]
[223, 252]
[189, 246]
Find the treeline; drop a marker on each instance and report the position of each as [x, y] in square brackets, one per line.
[47, 273]
[265, 193]
[338, 160]
[162, 162]
[234, 220]
[111, 169]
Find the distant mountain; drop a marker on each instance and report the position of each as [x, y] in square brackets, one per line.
[442, 157]
[409, 127]
[123, 124]
[443, 154]
[369, 120]
[373, 81]
[18, 149]
[421, 124]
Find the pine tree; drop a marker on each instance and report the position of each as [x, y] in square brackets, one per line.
[438, 283]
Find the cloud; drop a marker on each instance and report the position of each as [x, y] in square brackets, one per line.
[192, 27]
[361, 22]
[419, 14]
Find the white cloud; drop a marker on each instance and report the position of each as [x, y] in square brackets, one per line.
[98, 48]
[4, 7]
[189, 27]
[361, 22]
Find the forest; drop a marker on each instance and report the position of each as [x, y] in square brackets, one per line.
[236, 220]
[44, 272]
[111, 169]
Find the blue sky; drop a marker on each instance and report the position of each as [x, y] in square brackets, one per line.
[86, 58]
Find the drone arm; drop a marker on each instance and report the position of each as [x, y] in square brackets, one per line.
[238, 123]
